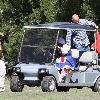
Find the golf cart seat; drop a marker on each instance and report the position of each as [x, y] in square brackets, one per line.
[87, 57]
[84, 56]
[75, 53]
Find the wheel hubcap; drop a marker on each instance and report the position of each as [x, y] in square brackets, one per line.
[51, 84]
[99, 85]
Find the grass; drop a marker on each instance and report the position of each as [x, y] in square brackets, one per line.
[35, 93]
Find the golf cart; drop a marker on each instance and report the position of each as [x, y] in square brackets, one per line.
[37, 60]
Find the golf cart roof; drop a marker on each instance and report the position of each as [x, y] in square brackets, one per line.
[61, 25]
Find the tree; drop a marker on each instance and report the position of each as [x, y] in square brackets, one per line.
[16, 13]
[95, 5]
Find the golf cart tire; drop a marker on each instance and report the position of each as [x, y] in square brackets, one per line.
[96, 87]
[48, 84]
[62, 89]
[16, 84]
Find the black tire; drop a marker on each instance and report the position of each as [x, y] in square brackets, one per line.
[79, 87]
[96, 87]
[16, 84]
[48, 84]
[62, 89]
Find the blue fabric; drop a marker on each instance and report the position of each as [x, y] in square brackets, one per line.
[70, 61]
[82, 47]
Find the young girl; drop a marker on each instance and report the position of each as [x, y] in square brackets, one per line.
[65, 62]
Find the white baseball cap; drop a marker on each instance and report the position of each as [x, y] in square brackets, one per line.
[65, 49]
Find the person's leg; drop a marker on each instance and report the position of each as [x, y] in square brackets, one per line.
[82, 47]
[64, 72]
[2, 83]
[86, 48]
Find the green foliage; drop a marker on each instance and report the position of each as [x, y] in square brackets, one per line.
[16, 13]
[87, 11]
[67, 8]
[11, 48]
[95, 5]
[50, 9]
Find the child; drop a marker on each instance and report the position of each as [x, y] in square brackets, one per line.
[66, 62]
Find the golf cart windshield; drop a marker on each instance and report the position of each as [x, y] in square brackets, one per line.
[38, 45]
[39, 42]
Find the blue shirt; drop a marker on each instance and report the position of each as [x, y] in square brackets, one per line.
[79, 37]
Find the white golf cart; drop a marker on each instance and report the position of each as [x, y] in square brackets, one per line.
[37, 60]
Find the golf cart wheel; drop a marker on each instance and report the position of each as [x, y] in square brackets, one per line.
[16, 84]
[48, 84]
[96, 87]
[62, 89]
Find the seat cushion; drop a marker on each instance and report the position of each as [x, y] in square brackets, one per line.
[87, 57]
[75, 53]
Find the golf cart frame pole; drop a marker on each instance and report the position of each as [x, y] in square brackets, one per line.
[21, 46]
[55, 47]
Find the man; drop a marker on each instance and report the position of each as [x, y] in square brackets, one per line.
[79, 38]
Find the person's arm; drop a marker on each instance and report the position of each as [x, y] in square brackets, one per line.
[91, 23]
[87, 22]
[68, 37]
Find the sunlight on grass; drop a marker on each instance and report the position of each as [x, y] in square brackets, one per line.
[35, 93]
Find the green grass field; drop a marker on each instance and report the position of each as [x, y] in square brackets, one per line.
[35, 93]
